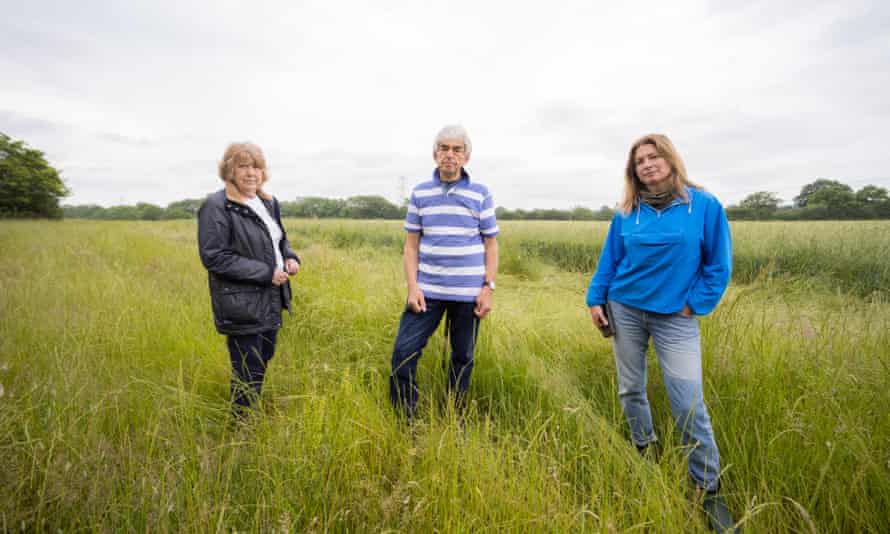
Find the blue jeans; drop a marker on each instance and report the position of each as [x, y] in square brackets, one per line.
[678, 346]
[415, 330]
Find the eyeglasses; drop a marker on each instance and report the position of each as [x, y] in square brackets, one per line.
[457, 149]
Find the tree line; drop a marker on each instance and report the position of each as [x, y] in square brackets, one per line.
[821, 199]
[31, 187]
[358, 207]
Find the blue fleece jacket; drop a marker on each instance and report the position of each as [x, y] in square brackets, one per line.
[660, 260]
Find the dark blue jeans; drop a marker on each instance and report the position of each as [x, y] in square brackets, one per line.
[415, 330]
[250, 356]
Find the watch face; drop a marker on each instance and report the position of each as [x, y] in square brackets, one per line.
[489, 284]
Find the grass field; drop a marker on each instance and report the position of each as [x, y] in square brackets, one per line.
[114, 389]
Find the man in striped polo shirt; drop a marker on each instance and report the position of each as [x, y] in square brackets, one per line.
[450, 260]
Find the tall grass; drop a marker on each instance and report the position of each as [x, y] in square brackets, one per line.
[850, 255]
[115, 387]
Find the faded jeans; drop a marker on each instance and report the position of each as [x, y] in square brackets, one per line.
[678, 346]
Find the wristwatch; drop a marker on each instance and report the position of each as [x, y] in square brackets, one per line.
[490, 284]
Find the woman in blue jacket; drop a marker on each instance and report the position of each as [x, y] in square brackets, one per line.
[666, 259]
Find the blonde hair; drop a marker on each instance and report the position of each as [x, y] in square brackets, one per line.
[238, 153]
[665, 149]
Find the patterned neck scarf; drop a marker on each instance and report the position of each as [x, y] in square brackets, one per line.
[658, 201]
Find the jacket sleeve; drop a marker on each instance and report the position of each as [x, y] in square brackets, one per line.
[610, 257]
[286, 249]
[214, 227]
[716, 268]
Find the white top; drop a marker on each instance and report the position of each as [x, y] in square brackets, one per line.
[274, 230]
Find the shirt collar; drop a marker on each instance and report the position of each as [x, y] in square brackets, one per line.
[464, 178]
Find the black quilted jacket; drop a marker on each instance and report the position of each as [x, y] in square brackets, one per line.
[236, 249]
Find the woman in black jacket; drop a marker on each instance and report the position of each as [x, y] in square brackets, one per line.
[244, 247]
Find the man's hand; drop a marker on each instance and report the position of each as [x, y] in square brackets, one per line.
[279, 277]
[483, 302]
[599, 318]
[416, 301]
[292, 266]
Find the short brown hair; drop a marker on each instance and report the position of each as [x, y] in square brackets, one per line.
[237, 153]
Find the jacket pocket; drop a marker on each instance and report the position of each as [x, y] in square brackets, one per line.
[653, 248]
[237, 304]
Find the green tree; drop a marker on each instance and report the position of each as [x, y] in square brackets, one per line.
[761, 200]
[315, 207]
[371, 207]
[872, 194]
[183, 209]
[580, 213]
[121, 213]
[605, 213]
[807, 191]
[177, 213]
[554, 214]
[503, 214]
[874, 201]
[85, 211]
[149, 212]
[836, 197]
[759, 205]
[29, 186]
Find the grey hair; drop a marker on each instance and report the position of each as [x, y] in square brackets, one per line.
[453, 131]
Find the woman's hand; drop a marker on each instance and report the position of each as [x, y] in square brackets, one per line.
[292, 266]
[279, 277]
[599, 318]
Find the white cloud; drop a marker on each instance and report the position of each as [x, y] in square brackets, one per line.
[135, 101]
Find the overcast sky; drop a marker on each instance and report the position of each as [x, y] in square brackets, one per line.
[136, 100]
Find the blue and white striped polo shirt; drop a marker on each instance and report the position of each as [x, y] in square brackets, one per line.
[452, 219]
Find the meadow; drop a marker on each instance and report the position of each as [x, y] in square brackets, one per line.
[114, 391]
